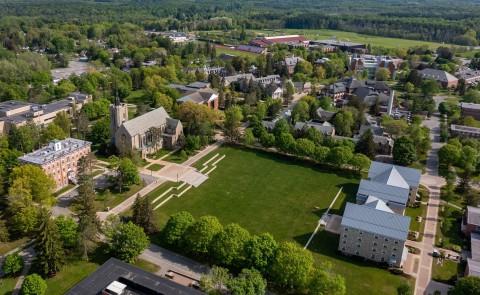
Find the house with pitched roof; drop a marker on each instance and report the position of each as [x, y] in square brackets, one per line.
[198, 93]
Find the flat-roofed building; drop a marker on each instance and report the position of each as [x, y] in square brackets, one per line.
[59, 159]
[341, 45]
[465, 131]
[470, 109]
[18, 113]
[291, 40]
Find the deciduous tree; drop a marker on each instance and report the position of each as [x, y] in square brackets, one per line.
[128, 241]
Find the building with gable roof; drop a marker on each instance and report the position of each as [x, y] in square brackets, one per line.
[445, 79]
[393, 184]
[147, 133]
[375, 228]
[373, 231]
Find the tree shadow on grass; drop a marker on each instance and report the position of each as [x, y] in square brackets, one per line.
[294, 161]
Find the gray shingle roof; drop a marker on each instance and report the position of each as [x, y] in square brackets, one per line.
[376, 221]
[410, 175]
[383, 191]
[141, 124]
[438, 75]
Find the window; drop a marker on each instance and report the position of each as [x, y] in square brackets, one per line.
[376, 237]
[359, 239]
[393, 255]
[361, 233]
[396, 242]
[358, 246]
[346, 229]
[343, 248]
[374, 244]
[374, 250]
[357, 253]
[386, 240]
[344, 236]
[394, 249]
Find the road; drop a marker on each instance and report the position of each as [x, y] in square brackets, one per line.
[168, 260]
[424, 284]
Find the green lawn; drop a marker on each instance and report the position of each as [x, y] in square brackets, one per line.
[160, 153]
[137, 96]
[361, 277]
[446, 271]
[414, 224]
[7, 285]
[155, 167]
[355, 37]
[111, 199]
[224, 50]
[177, 157]
[269, 193]
[6, 247]
[76, 270]
[62, 190]
[449, 235]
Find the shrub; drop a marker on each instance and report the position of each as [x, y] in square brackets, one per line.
[34, 285]
[13, 264]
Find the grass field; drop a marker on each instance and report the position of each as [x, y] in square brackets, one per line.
[445, 271]
[76, 270]
[7, 285]
[155, 167]
[269, 193]
[353, 37]
[414, 224]
[225, 50]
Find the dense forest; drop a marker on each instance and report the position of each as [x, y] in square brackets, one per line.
[436, 20]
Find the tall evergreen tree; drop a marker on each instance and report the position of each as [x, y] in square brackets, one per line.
[366, 145]
[49, 249]
[143, 214]
[88, 223]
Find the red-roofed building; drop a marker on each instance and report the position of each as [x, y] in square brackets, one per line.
[293, 40]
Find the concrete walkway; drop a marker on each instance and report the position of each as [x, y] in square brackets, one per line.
[186, 167]
[433, 182]
[28, 255]
[167, 260]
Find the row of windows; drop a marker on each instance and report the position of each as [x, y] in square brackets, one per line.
[376, 238]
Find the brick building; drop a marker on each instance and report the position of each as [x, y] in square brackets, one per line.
[59, 159]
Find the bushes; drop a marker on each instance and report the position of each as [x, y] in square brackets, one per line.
[13, 264]
[34, 285]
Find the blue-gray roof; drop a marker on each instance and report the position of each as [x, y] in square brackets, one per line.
[409, 175]
[384, 192]
[375, 221]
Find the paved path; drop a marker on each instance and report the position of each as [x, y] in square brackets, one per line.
[125, 205]
[168, 260]
[433, 182]
[27, 254]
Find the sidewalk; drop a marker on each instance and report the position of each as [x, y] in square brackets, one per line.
[125, 205]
